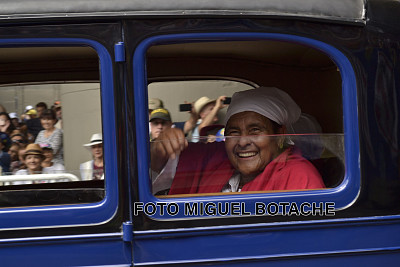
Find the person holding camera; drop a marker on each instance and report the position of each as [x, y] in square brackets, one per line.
[204, 113]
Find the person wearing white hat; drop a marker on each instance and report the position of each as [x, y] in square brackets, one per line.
[206, 111]
[256, 155]
[93, 169]
[14, 119]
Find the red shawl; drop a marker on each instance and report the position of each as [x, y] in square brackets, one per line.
[205, 168]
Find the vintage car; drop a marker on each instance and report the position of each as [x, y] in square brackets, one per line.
[103, 61]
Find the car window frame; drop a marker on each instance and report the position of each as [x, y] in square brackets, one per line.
[67, 215]
[342, 196]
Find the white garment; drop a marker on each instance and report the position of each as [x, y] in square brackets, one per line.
[46, 170]
[233, 183]
[195, 132]
[164, 179]
[86, 170]
[56, 168]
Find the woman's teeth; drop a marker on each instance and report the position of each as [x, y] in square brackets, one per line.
[247, 154]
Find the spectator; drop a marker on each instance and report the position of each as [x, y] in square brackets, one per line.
[154, 103]
[20, 164]
[207, 111]
[24, 116]
[13, 151]
[5, 158]
[93, 169]
[160, 120]
[51, 135]
[18, 137]
[187, 126]
[14, 155]
[15, 120]
[34, 125]
[48, 160]
[58, 111]
[5, 123]
[33, 158]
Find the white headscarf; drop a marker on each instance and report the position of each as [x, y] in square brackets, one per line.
[270, 102]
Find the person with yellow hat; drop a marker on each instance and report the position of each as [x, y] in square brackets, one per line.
[160, 120]
[256, 155]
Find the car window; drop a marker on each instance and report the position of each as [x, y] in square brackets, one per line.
[52, 133]
[305, 158]
[316, 135]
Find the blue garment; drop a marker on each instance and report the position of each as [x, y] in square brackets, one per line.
[5, 161]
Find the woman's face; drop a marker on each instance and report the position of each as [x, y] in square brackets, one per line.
[4, 123]
[47, 123]
[97, 151]
[250, 149]
[33, 162]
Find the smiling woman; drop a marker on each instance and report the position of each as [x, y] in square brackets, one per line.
[257, 156]
[51, 135]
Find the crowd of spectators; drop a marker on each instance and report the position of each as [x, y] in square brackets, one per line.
[33, 144]
[202, 121]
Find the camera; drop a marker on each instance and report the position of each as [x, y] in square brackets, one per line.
[188, 107]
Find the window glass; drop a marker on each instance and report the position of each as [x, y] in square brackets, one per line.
[52, 128]
[256, 148]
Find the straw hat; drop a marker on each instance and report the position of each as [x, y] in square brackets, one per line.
[96, 139]
[33, 149]
[201, 103]
[155, 103]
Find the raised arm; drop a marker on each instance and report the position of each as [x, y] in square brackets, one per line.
[209, 119]
[169, 144]
[191, 122]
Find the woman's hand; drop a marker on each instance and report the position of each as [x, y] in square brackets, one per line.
[169, 144]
